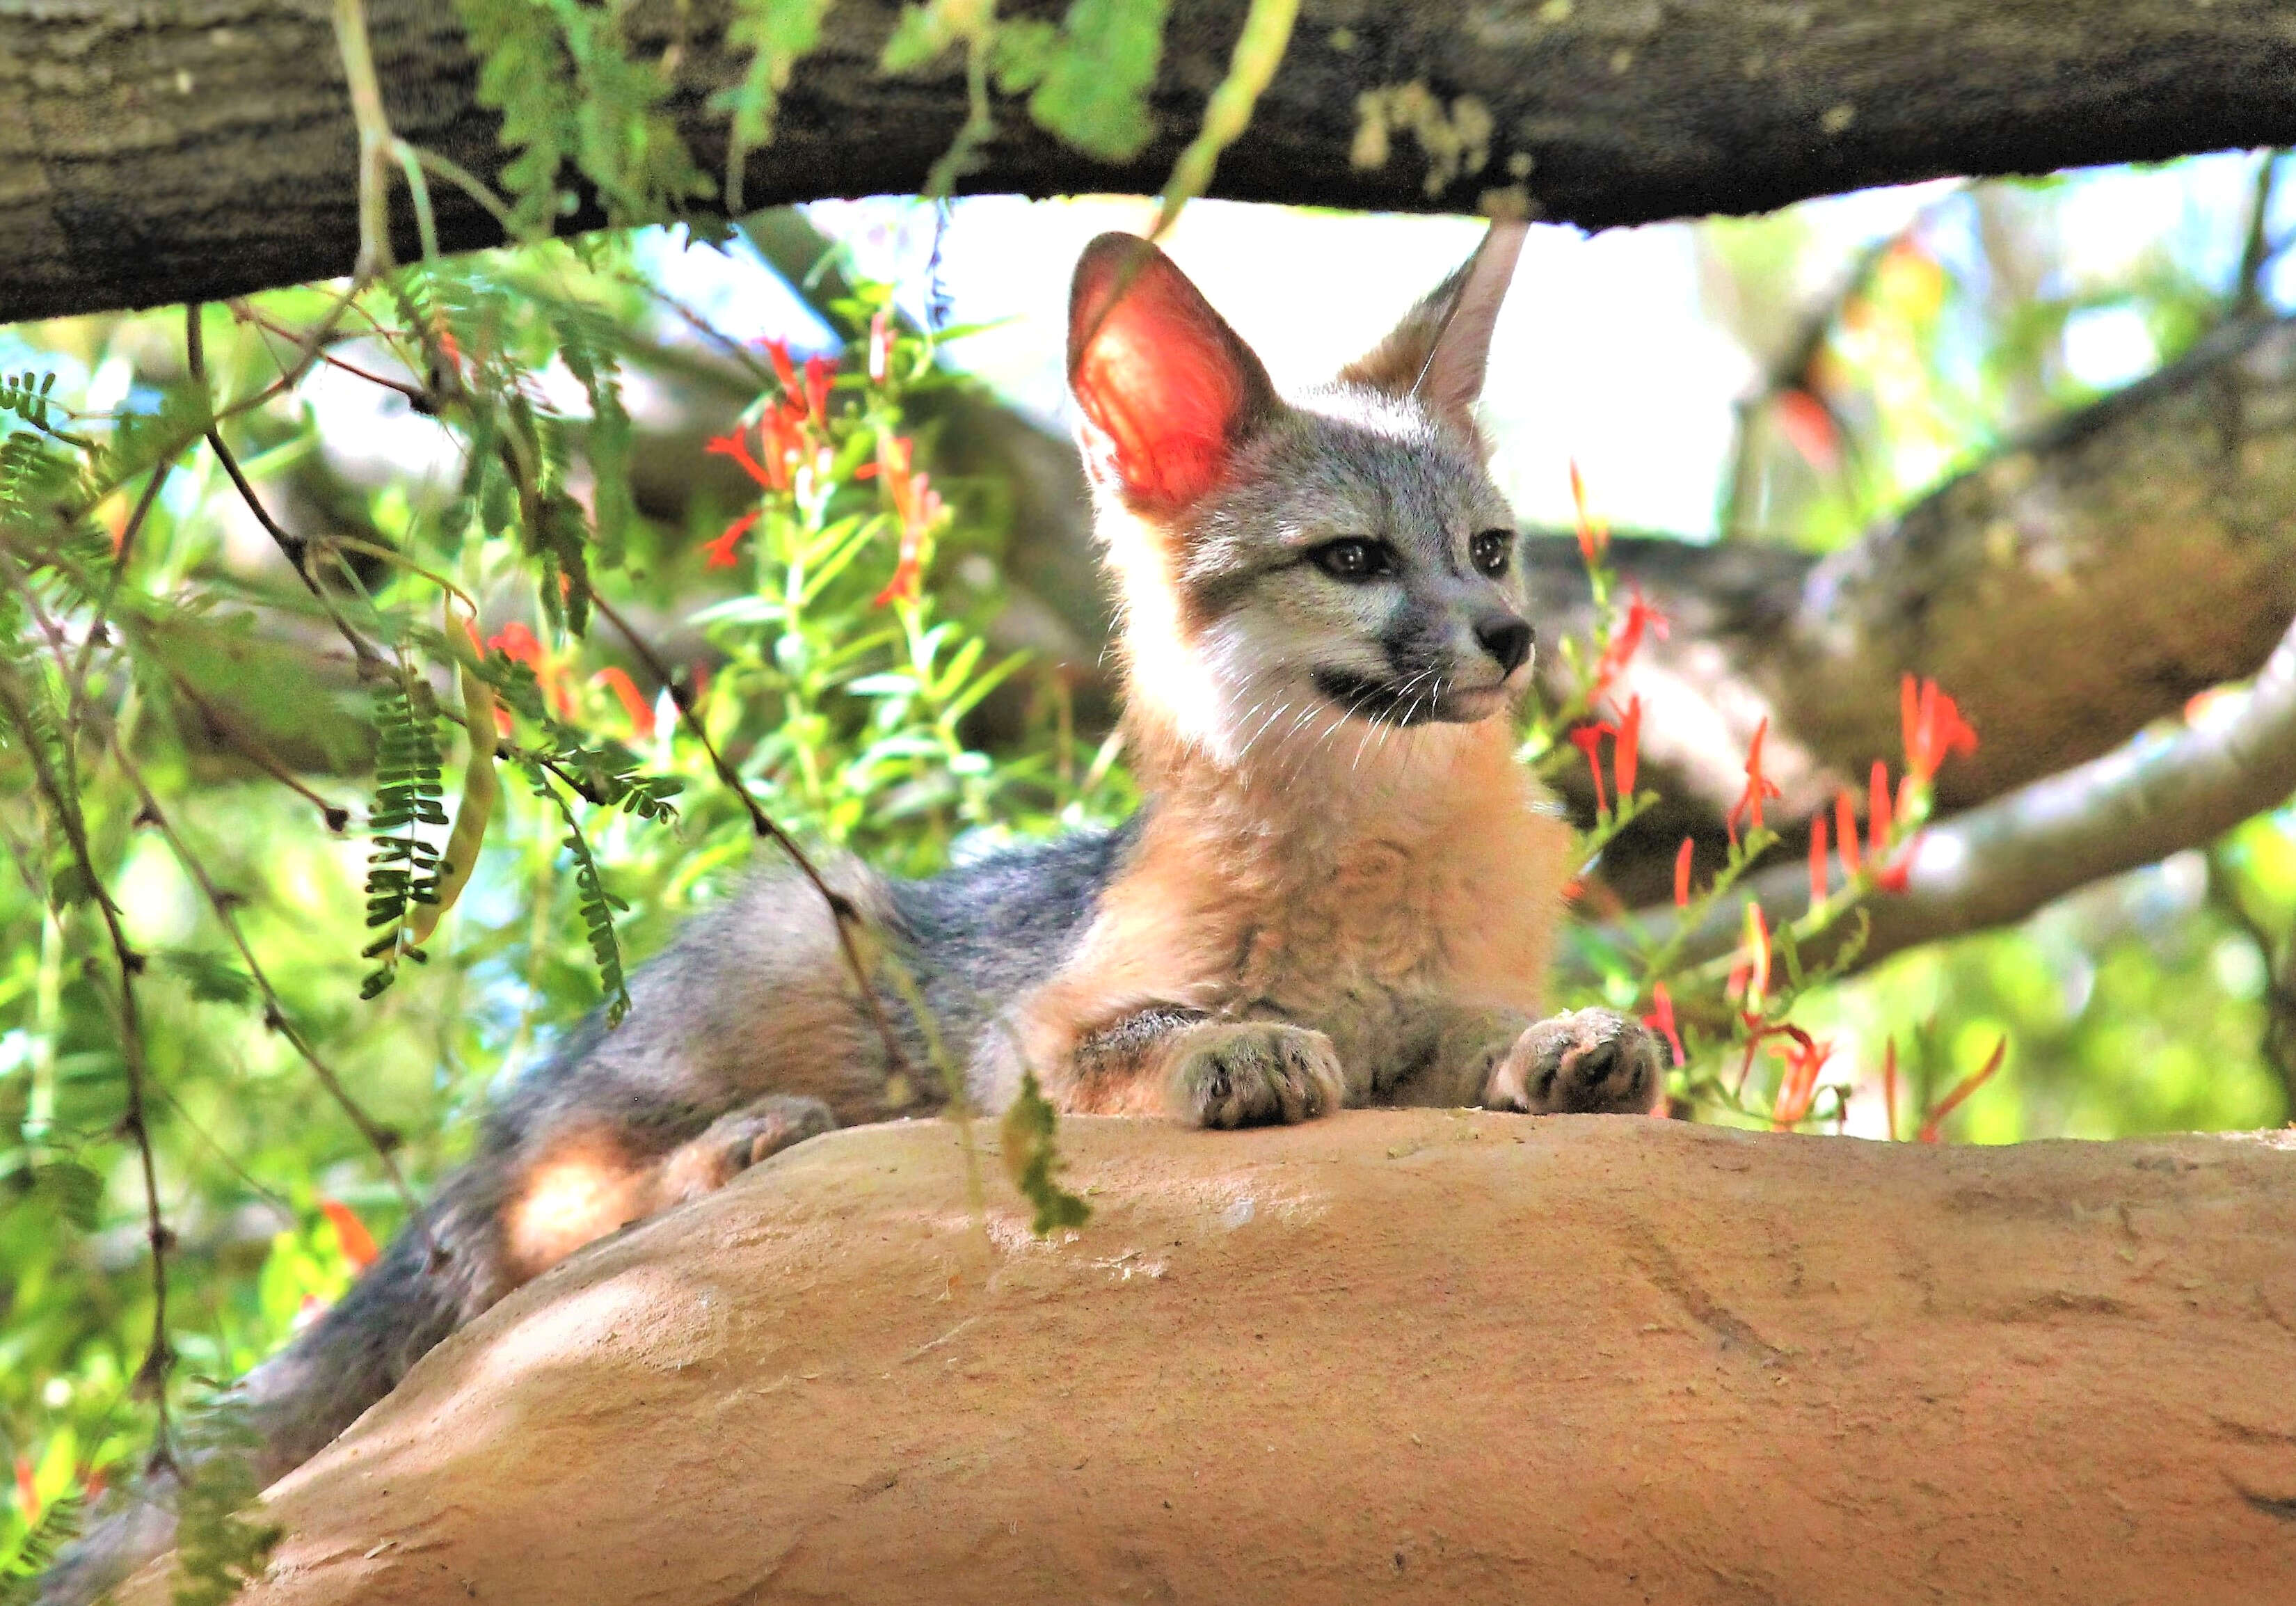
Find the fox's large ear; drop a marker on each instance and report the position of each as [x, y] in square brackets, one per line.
[1437, 353]
[1167, 390]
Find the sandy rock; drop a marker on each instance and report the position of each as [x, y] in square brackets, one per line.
[1397, 1356]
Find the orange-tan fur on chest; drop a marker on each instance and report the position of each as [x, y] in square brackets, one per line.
[1364, 906]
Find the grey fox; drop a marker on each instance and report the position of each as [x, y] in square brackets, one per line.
[1341, 890]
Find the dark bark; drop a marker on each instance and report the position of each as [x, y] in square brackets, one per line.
[203, 148]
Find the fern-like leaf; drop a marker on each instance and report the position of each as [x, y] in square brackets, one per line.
[20, 1575]
[409, 779]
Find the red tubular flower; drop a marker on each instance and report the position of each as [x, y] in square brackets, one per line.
[28, 1492]
[1898, 875]
[1877, 810]
[1681, 874]
[1758, 786]
[880, 347]
[733, 447]
[1961, 1090]
[719, 554]
[1625, 753]
[1845, 829]
[908, 575]
[516, 642]
[818, 373]
[1798, 1085]
[1933, 729]
[625, 692]
[1641, 617]
[894, 455]
[784, 370]
[918, 506]
[351, 1235]
[1660, 1019]
[1593, 533]
[1817, 861]
[1809, 427]
[1588, 739]
[782, 432]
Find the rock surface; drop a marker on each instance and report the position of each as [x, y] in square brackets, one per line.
[1412, 1356]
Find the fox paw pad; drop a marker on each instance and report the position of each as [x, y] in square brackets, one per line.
[742, 1138]
[1251, 1073]
[1587, 1062]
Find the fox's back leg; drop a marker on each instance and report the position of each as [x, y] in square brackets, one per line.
[570, 1187]
[746, 1039]
[736, 1141]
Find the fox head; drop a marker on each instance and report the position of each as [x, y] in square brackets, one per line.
[1287, 566]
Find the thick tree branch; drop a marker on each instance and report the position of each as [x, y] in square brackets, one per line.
[1349, 1361]
[2002, 862]
[205, 149]
[2067, 592]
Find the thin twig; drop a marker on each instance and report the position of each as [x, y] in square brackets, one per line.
[334, 815]
[2257, 248]
[313, 348]
[1259, 48]
[296, 549]
[159, 1357]
[844, 914]
[413, 392]
[466, 181]
[275, 1013]
[206, 1140]
[77, 682]
[708, 332]
[2278, 955]
[376, 138]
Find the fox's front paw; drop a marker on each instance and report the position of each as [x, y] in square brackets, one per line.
[1242, 1074]
[740, 1139]
[1586, 1063]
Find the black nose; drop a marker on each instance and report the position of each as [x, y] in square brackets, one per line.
[1507, 638]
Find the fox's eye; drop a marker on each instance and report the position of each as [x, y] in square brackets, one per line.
[1353, 558]
[1491, 549]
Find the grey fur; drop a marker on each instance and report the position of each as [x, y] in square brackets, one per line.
[700, 1059]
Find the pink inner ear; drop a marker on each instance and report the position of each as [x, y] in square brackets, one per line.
[1160, 376]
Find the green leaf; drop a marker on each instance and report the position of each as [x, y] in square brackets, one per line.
[919, 39]
[71, 885]
[72, 1190]
[778, 34]
[1033, 1162]
[211, 978]
[1094, 88]
[1020, 55]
